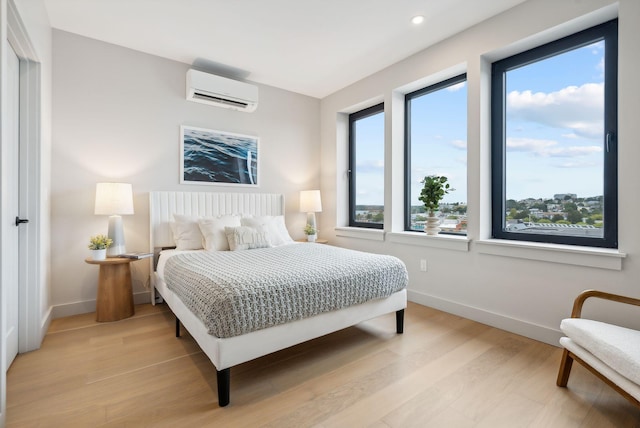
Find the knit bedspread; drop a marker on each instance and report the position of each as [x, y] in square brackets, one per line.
[236, 292]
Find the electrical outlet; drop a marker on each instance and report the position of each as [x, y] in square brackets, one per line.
[423, 265]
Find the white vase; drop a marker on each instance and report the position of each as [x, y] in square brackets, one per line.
[431, 228]
[311, 238]
[99, 254]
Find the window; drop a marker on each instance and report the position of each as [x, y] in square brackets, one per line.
[554, 146]
[436, 144]
[366, 167]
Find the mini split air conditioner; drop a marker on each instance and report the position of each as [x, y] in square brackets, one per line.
[221, 92]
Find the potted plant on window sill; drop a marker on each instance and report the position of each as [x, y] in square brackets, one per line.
[311, 233]
[98, 245]
[434, 187]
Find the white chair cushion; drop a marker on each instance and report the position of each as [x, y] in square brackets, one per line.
[632, 388]
[616, 346]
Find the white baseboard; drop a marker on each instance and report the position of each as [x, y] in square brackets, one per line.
[46, 321]
[36, 343]
[513, 325]
[86, 306]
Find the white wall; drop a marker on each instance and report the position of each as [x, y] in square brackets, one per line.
[117, 116]
[515, 293]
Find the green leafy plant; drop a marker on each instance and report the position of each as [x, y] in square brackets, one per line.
[433, 190]
[99, 242]
[309, 230]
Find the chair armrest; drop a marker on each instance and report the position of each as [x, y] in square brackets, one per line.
[577, 304]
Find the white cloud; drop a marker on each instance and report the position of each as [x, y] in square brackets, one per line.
[456, 87]
[577, 165]
[571, 136]
[459, 144]
[549, 148]
[529, 145]
[600, 67]
[569, 152]
[596, 48]
[370, 166]
[578, 108]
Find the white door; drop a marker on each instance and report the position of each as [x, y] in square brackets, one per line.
[12, 136]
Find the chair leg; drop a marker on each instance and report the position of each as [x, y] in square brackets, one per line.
[565, 369]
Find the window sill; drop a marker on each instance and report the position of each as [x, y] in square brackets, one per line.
[447, 242]
[603, 258]
[360, 233]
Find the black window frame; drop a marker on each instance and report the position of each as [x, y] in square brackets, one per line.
[353, 118]
[407, 143]
[607, 32]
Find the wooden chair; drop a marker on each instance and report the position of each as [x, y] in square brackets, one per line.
[609, 351]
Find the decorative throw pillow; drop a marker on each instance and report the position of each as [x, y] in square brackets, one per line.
[213, 231]
[186, 232]
[273, 225]
[246, 238]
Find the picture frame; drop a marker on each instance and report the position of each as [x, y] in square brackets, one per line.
[215, 157]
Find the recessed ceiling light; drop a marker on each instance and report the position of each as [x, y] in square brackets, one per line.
[418, 19]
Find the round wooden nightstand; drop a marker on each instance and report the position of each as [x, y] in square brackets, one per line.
[115, 294]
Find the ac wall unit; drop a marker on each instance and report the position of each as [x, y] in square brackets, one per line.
[221, 92]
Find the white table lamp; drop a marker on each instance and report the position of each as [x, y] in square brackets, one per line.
[114, 200]
[310, 203]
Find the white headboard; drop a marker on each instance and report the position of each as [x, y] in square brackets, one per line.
[162, 206]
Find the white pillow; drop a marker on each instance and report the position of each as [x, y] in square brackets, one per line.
[186, 232]
[212, 229]
[246, 238]
[273, 225]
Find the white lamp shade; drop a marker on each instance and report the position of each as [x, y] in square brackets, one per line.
[114, 199]
[310, 201]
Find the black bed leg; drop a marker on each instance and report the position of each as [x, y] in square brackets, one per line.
[224, 386]
[400, 321]
[177, 327]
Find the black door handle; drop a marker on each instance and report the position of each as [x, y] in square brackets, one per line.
[21, 220]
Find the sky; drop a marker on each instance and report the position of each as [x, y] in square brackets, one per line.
[554, 133]
[555, 126]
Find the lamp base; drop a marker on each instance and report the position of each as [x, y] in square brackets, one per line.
[311, 219]
[116, 234]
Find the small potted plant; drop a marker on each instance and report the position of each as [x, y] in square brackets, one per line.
[311, 233]
[98, 245]
[433, 190]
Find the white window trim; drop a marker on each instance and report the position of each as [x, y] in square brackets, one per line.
[360, 233]
[446, 242]
[602, 258]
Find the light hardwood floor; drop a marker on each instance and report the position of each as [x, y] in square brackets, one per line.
[445, 371]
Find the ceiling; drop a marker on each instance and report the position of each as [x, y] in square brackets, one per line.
[310, 47]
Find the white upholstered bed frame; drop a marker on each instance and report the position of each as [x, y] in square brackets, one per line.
[228, 352]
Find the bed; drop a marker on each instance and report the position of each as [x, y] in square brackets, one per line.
[239, 346]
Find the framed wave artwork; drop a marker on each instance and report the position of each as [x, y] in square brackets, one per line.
[217, 157]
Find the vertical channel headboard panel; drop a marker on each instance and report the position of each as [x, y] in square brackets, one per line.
[162, 206]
